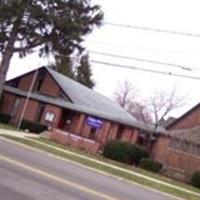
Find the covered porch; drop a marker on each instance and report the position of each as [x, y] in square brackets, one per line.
[88, 132]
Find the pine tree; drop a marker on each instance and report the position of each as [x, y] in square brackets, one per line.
[49, 26]
[64, 65]
[84, 72]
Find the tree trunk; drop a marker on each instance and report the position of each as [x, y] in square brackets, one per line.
[7, 54]
[151, 134]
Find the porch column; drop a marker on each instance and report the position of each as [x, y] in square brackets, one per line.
[80, 123]
[105, 132]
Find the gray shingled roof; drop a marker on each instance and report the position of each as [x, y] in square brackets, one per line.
[83, 100]
[93, 102]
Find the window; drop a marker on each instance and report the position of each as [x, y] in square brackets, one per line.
[15, 107]
[39, 112]
[39, 81]
[93, 132]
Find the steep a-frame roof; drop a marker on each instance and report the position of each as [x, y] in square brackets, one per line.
[91, 101]
[83, 100]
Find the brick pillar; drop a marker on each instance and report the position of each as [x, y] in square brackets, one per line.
[104, 133]
[135, 134]
[80, 123]
[114, 132]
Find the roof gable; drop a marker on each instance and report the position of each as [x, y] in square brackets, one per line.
[182, 117]
[83, 96]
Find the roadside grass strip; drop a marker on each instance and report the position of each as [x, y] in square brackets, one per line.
[102, 166]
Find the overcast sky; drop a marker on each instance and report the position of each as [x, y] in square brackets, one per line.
[172, 15]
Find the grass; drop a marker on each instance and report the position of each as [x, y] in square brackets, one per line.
[110, 170]
[125, 166]
[7, 126]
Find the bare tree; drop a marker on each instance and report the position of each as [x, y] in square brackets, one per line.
[125, 94]
[140, 111]
[152, 111]
[160, 105]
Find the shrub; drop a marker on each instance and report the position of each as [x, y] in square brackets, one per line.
[4, 118]
[137, 153]
[124, 152]
[195, 179]
[150, 165]
[32, 126]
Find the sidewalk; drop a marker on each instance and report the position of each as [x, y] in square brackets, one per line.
[16, 133]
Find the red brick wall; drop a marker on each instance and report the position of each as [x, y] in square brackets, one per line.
[31, 110]
[49, 87]
[189, 163]
[29, 113]
[7, 102]
[76, 141]
[188, 121]
[160, 149]
[26, 81]
[177, 159]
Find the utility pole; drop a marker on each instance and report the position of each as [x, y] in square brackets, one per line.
[27, 98]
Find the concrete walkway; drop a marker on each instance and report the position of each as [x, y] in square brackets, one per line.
[18, 133]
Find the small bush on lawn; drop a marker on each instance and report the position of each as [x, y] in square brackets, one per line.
[124, 152]
[32, 126]
[150, 165]
[195, 179]
[4, 118]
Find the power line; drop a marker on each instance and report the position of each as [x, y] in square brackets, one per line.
[139, 68]
[153, 29]
[110, 44]
[146, 70]
[145, 60]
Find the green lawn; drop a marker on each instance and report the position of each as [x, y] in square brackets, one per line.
[7, 126]
[107, 169]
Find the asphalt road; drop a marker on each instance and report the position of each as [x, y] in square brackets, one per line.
[30, 175]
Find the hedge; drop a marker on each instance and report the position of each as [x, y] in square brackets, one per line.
[195, 179]
[32, 126]
[150, 165]
[124, 152]
[4, 118]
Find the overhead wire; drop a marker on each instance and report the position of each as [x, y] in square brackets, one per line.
[158, 30]
[110, 44]
[145, 60]
[145, 69]
[131, 67]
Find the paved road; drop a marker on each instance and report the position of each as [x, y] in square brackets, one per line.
[30, 175]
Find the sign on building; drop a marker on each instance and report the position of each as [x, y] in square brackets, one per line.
[49, 116]
[94, 122]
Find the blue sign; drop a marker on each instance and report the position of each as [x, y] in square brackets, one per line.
[94, 122]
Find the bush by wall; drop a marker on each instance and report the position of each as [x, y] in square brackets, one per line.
[124, 152]
[4, 118]
[150, 165]
[195, 179]
[32, 126]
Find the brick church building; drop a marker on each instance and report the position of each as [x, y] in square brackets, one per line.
[75, 114]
